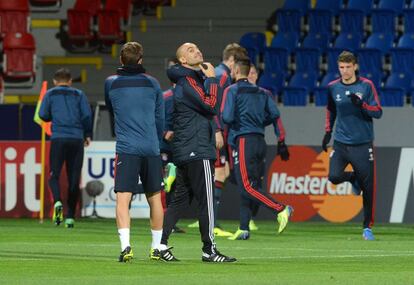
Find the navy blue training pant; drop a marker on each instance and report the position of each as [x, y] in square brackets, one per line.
[249, 164]
[362, 159]
[69, 151]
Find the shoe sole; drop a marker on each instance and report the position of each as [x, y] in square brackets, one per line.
[210, 261]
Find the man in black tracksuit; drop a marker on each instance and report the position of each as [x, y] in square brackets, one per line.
[193, 145]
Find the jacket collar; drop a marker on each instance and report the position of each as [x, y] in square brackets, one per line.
[176, 72]
[128, 70]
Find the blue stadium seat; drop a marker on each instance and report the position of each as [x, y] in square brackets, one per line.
[406, 41]
[333, 6]
[289, 21]
[302, 5]
[9, 114]
[300, 85]
[288, 41]
[402, 60]
[409, 21]
[352, 21]
[254, 43]
[369, 60]
[320, 21]
[348, 41]
[399, 80]
[30, 130]
[332, 59]
[395, 5]
[380, 41]
[276, 60]
[383, 21]
[307, 60]
[329, 77]
[392, 97]
[304, 79]
[364, 6]
[374, 76]
[321, 96]
[317, 40]
[272, 81]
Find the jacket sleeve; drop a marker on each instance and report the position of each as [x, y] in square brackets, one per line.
[330, 113]
[86, 115]
[224, 82]
[169, 109]
[108, 103]
[159, 112]
[273, 116]
[371, 106]
[228, 106]
[203, 100]
[45, 112]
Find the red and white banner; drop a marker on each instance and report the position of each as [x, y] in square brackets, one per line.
[20, 169]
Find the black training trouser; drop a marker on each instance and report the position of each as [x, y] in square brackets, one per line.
[69, 151]
[249, 165]
[361, 157]
[193, 179]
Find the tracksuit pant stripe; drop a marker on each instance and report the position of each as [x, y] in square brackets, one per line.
[209, 190]
[247, 185]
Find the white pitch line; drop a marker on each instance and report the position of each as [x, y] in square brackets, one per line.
[329, 256]
[319, 249]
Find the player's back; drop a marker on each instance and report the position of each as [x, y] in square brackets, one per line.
[135, 101]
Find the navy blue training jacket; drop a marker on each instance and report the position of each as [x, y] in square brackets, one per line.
[248, 109]
[69, 111]
[135, 100]
[353, 124]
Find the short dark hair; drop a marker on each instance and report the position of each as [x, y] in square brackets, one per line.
[62, 75]
[131, 53]
[244, 64]
[347, 57]
[234, 50]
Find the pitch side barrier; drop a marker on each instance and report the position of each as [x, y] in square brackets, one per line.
[301, 182]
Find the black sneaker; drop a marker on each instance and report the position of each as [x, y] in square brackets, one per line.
[164, 255]
[126, 255]
[217, 257]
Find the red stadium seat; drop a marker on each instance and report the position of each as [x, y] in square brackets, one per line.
[92, 6]
[19, 60]
[109, 26]
[80, 25]
[125, 7]
[14, 16]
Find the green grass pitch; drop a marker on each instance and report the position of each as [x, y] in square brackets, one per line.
[306, 253]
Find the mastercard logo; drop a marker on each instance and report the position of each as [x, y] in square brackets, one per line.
[303, 183]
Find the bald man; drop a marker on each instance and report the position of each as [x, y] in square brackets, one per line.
[193, 146]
